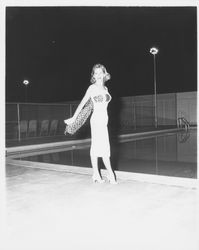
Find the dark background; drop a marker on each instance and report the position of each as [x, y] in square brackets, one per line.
[56, 47]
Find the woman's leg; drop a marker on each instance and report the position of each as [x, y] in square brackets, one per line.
[96, 173]
[107, 164]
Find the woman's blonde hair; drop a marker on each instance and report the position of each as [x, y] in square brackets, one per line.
[107, 76]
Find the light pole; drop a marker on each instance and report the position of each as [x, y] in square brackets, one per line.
[154, 52]
[26, 83]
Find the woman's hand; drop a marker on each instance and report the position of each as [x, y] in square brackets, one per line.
[69, 121]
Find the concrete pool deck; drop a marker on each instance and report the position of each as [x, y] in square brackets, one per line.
[56, 210]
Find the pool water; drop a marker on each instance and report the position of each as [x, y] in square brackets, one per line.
[171, 154]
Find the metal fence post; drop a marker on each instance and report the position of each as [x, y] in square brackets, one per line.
[134, 114]
[70, 107]
[18, 122]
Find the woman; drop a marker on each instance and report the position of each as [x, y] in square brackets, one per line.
[100, 146]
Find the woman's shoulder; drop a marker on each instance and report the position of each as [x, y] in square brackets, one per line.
[91, 88]
[94, 89]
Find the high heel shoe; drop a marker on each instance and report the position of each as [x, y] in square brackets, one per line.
[112, 180]
[99, 180]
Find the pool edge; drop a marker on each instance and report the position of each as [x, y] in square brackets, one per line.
[121, 175]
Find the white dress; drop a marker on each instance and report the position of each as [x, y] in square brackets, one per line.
[100, 145]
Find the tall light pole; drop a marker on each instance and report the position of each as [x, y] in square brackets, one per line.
[154, 52]
[26, 83]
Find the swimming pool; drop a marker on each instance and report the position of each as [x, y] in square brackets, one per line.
[169, 154]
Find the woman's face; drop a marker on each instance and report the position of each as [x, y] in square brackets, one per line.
[98, 74]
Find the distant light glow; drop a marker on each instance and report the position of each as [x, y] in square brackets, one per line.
[154, 50]
[25, 82]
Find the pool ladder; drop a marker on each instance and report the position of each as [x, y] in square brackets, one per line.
[182, 122]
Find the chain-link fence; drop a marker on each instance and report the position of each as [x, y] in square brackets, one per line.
[126, 115]
[32, 120]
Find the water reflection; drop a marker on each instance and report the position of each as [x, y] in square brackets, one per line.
[55, 157]
[170, 155]
[173, 154]
[183, 136]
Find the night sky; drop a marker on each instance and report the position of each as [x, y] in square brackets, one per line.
[56, 47]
